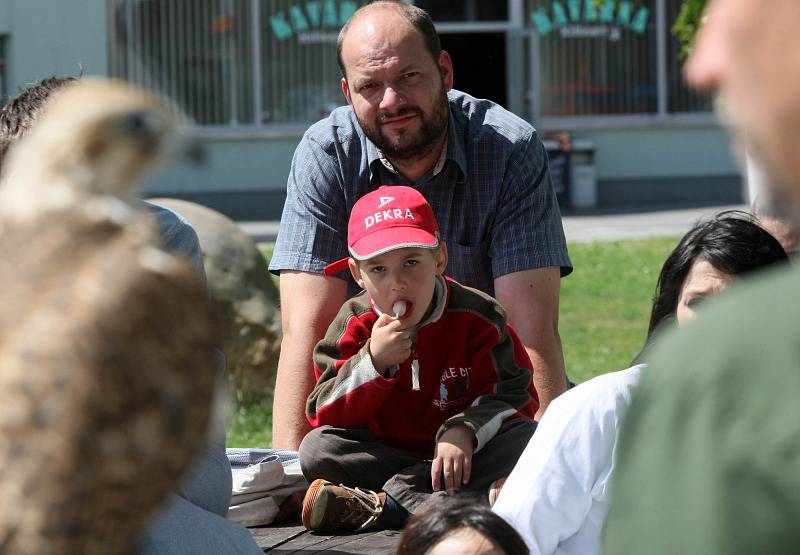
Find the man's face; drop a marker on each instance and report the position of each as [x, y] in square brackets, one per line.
[397, 91]
[749, 51]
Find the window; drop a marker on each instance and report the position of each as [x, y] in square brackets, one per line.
[596, 58]
[259, 64]
[300, 74]
[465, 10]
[234, 63]
[603, 57]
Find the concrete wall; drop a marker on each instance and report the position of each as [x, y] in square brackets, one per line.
[661, 152]
[47, 37]
[5, 16]
[244, 178]
[664, 166]
[233, 165]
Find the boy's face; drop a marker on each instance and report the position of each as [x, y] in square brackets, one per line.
[406, 274]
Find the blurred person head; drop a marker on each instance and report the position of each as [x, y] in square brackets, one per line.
[459, 525]
[748, 52]
[20, 113]
[775, 218]
[710, 256]
[783, 229]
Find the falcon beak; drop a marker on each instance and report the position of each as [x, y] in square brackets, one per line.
[192, 149]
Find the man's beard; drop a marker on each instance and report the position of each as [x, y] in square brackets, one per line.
[426, 139]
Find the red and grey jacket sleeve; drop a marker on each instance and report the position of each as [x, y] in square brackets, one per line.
[349, 389]
[497, 349]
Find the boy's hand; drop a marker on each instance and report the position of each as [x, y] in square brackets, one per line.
[453, 458]
[390, 343]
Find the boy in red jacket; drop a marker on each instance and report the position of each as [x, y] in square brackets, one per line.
[422, 387]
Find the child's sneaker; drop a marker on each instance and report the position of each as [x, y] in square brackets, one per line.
[494, 490]
[331, 508]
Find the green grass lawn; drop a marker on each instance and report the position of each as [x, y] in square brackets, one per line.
[605, 303]
[605, 307]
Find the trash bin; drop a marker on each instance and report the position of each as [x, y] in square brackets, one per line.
[559, 162]
[583, 176]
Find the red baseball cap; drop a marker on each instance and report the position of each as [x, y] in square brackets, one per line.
[388, 218]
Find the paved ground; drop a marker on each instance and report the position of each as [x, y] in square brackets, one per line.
[639, 225]
[583, 228]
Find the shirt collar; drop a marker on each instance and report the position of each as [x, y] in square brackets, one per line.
[436, 168]
[455, 144]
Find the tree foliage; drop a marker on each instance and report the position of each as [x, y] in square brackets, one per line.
[688, 22]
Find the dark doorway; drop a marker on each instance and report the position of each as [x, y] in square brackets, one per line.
[479, 62]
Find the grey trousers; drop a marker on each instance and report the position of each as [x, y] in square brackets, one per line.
[193, 520]
[356, 457]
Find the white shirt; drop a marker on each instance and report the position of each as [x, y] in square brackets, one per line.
[557, 495]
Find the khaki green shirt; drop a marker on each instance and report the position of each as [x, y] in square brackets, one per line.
[709, 454]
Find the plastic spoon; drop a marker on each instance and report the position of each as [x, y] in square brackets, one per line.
[399, 308]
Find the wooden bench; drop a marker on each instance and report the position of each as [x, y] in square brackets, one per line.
[289, 538]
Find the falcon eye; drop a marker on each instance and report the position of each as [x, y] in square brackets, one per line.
[136, 124]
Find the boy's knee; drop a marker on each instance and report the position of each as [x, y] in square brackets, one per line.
[314, 453]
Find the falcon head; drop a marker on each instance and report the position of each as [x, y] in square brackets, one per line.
[95, 138]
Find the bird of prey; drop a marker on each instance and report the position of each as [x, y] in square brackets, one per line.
[106, 342]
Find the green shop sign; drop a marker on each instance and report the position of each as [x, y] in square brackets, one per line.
[590, 18]
[312, 16]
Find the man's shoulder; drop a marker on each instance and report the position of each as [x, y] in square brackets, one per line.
[176, 233]
[482, 119]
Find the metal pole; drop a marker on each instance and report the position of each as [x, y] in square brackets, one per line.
[535, 91]
[515, 72]
[661, 57]
[229, 49]
[257, 75]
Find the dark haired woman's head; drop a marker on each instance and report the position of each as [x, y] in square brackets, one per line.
[460, 524]
[710, 255]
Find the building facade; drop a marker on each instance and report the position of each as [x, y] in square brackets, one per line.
[253, 74]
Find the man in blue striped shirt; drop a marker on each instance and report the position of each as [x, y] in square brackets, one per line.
[483, 169]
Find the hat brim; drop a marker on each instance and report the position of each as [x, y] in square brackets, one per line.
[393, 238]
[336, 267]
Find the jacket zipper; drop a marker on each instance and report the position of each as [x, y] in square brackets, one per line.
[414, 370]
